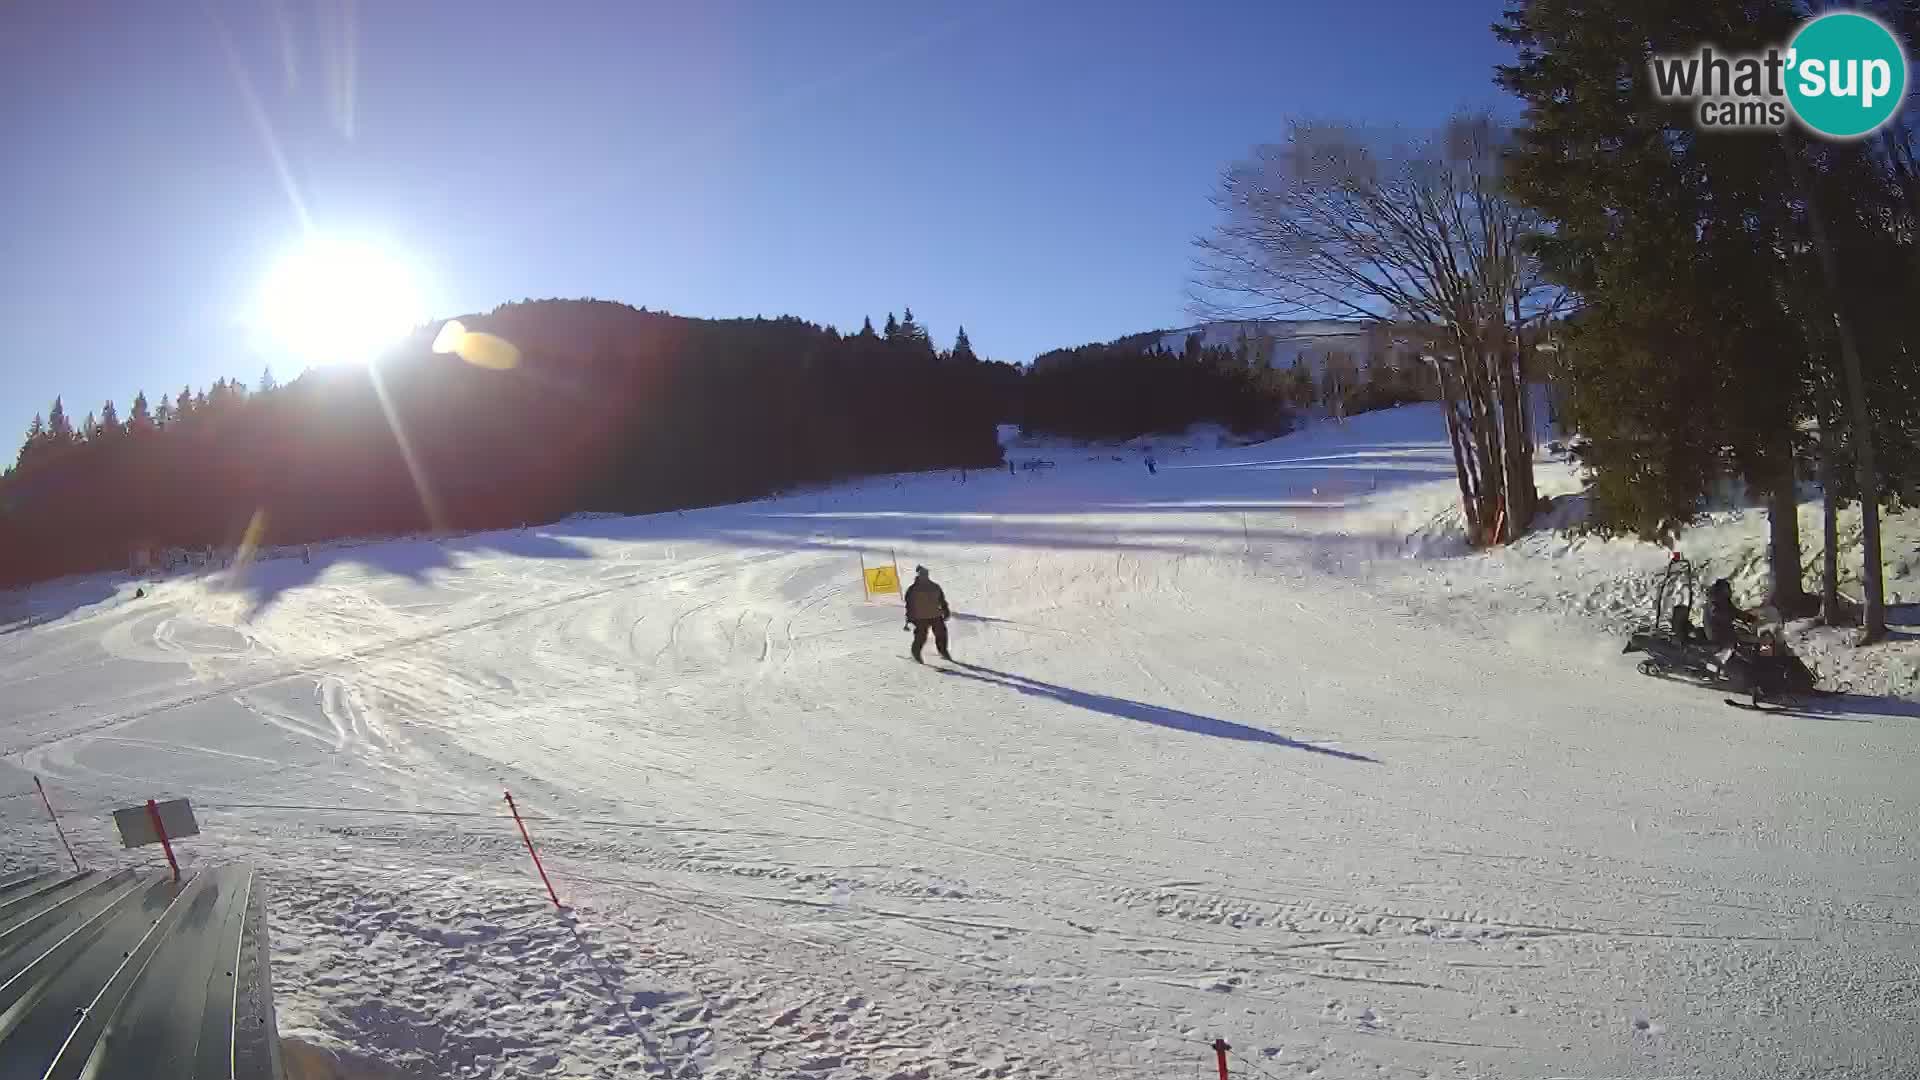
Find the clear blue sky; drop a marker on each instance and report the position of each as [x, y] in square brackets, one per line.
[1034, 170]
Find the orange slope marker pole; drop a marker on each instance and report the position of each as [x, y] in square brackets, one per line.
[524, 835]
[166, 845]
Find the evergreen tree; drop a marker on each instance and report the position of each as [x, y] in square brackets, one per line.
[267, 384]
[1684, 361]
[89, 429]
[35, 442]
[59, 428]
[866, 327]
[139, 419]
[109, 421]
[163, 415]
[892, 332]
[183, 405]
[913, 331]
[963, 349]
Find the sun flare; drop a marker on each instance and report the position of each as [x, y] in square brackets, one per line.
[339, 301]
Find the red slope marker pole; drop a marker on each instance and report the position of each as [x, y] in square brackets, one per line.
[51, 816]
[166, 845]
[1220, 1049]
[536, 855]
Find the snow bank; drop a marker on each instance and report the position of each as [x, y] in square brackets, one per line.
[1556, 571]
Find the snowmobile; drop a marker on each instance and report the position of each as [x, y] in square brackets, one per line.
[1672, 643]
[1757, 664]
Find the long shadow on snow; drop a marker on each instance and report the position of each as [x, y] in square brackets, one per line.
[415, 561]
[1158, 715]
[1856, 707]
[851, 532]
[36, 605]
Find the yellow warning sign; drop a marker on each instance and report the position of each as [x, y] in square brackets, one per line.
[882, 579]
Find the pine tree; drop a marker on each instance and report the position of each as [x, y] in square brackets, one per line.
[163, 416]
[89, 429]
[1684, 361]
[892, 332]
[139, 419]
[35, 442]
[59, 428]
[183, 405]
[267, 385]
[109, 421]
[866, 328]
[963, 349]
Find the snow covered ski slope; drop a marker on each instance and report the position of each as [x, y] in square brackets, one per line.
[1224, 762]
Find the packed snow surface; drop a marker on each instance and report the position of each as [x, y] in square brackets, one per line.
[1247, 750]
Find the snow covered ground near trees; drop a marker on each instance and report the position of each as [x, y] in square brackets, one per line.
[1253, 750]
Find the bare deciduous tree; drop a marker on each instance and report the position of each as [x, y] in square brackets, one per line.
[1343, 223]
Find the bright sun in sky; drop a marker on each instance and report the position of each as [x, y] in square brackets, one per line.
[336, 300]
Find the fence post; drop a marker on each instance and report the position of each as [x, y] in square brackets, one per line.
[536, 855]
[51, 816]
[166, 845]
[1220, 1049]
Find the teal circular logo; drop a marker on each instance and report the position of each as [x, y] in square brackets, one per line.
[1846, 75]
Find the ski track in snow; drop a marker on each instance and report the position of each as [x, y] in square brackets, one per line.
[1231, 763]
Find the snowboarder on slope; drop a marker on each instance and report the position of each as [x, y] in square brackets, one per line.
[927, 610]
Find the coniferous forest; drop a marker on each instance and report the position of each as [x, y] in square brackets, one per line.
[1129, 387]
[607, 408]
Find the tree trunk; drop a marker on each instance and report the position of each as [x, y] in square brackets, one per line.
[1873, 614]
[1517, 451]
[1788, 594]
[1456, 439]
[1526, 400]
[1484, 447]
[1829, 530]
[1523, 497]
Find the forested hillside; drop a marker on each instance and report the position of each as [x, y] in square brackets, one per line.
[603, 407]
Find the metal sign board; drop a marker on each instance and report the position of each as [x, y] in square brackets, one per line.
[136, 823]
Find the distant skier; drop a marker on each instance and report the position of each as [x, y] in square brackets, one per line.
[927, 610]
[1151, 469]
[1010, 471]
